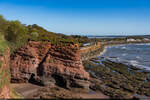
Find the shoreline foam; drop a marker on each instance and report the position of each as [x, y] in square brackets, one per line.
[103, 48]
[124, 61]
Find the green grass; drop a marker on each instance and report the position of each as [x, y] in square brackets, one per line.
[1, 64]
[3, 45]
[4, 80]
[52, 61]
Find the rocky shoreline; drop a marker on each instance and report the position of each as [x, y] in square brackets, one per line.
[101, 49]
[60, 72]
[115, 79]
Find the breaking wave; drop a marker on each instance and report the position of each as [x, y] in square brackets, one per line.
[137, 55]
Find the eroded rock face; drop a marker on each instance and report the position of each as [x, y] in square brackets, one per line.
[25, 61]
[46, 64]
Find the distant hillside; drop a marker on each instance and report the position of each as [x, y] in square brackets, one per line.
[117, 36]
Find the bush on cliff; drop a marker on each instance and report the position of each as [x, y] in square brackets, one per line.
[4, 65]
[3, 25]
[18, 34]
[3, 44]
[14, 33]
[38, 33]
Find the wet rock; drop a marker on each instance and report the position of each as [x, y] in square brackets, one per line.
[127, 87]
[123, 84]
[145, 89]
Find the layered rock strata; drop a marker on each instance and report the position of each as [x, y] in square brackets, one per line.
[45, 64]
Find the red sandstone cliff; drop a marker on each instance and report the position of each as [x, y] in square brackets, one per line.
[46, 64]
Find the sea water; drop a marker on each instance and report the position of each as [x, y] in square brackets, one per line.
[137, 55]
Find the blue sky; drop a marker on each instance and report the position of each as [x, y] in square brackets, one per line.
[84, 17]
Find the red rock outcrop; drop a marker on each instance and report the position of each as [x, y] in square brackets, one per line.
[46, 64]
[25, 61]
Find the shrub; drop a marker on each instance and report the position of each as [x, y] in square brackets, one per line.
[3, 44]
[17, 34]
[1, 64]
[3, 24]
[16, 31]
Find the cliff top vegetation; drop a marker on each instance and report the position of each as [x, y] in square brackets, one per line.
[17, 34]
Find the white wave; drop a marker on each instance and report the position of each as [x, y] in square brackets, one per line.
[123, 58]
[124, 54]
[104, 51]
[116, 46]
[114, 59]
[131, 62]
[138, 57]
[138, 65]
[123, 48]
[142, 44]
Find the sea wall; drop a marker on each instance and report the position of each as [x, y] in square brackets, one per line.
[91, 51]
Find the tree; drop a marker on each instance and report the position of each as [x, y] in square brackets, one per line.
[3, 24]
[16, 31]
[2, 44]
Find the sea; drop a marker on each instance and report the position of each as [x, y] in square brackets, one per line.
[137, 55]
